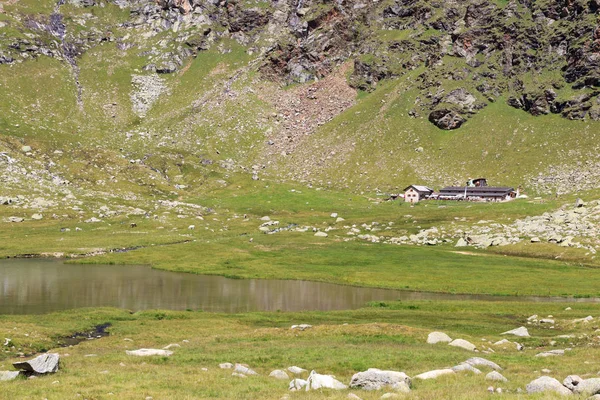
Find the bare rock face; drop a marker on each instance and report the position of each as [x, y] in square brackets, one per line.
[42, 364]
[446, 119]
[376, 379]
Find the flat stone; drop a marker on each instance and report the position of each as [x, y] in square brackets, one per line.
[321, 234]
[42, 364]
[296, 370]
[279, 374]
[547, 384]
[37, 217]
[551, 353]
[318, 381]
[434, 374]
[482, 362]
[15, 219]
[465, 367]
[462, 344]
[243, 369]
[495, 376]
[437, 337]
[226, 365]
[8, 375]
[301, 327]
[149, 352]
[521, 332]
[376, 379]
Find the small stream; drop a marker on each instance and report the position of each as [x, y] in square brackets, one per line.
[34, 286]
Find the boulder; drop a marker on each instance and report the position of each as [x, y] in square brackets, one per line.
[15, 219]
[461, 243]
[8, 375]
[588, 386]
[434, 374]
[243, 369]
[321, 234]
[437, 337]
[376, 379]
[465, 367]
[521, 332]
[318, 381]
[572, 381]
[296, 370]
[482, 362]
[547, 384]
[279, 374]
[226, 365]
[297, 384]
[495, 376]
[462, 344]
[149, 352]
[42, 364]
[551, 353]
[37, 217]
[352, 396]
[446, 119]
[301, 326]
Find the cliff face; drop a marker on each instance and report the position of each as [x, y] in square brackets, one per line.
[539, 56]
[339, 92]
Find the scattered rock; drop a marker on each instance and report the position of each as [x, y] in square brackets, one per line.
[226, 365]
[551, 353]
[149, 352]
[547, 384]
[572, 381]
[588, 386]
[463, 344]
[8, 375]
[521, 332]
[297, 384]
[243, 369]
[301, 327]
[482, 362]
[318, 381]
[37, 217]
[42, 364]
[465, 367]
[321, 234]
[495, 376]
[279, 374]
[437, 337]
[376, 379]
[434, 374]
[296, 370]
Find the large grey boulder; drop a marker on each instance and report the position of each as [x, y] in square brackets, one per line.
[376, 379]
[8, 375]
[318, 381]
[547, 384]
[463, 344]
[437, 337]
[588, 386]
[482, 362]
[149, 352]
[521, 332]
[42, 364]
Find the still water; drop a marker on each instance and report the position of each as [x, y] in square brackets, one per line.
[34, 286]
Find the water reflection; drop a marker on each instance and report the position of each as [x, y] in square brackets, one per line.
[35, 286]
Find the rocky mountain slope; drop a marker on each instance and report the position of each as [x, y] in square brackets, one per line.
[179, 95]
